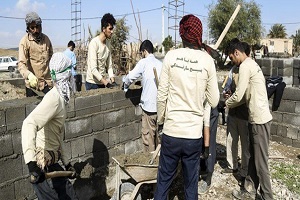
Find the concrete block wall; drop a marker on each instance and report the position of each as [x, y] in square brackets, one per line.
[286, 120]
[100, 125]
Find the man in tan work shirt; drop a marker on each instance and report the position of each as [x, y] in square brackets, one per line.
[251, 85]
[35, 51]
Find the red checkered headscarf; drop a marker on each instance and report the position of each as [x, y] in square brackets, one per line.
[190, 30]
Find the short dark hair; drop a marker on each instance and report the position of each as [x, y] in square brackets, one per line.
[237, 44]
[106, 20]
[147, 45]
[71, 44]
[247, 48]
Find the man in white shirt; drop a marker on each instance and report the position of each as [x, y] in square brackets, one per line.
[100, 71]
[145, 69]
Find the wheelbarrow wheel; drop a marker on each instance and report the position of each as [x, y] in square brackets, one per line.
[126, 191]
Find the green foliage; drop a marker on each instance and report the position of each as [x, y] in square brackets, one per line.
[289, 174]
[246, 26]
[168, 43]
[296, 41]
[277, 31]
[118, 39]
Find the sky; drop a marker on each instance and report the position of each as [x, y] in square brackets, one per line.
[56, 17]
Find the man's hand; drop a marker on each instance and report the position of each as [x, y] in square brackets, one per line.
[36, 174]
[70, 167]
[206, 153]
[32, 80]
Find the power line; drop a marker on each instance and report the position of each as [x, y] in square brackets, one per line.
[122, 15]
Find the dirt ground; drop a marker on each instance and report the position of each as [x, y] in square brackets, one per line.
[222, 184]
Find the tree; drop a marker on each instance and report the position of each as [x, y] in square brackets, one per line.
[277, 31]
[246, 26]
[168, 43]
[117, 41]
[296, 41]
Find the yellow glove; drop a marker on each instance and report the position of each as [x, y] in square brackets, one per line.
[32, 80]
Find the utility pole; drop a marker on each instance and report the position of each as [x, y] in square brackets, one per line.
[163, 29]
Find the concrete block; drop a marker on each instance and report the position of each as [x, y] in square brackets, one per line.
[276, 138]
[2, 122]
[288, 80]
[15, 117]
[292, 119]
[78, 127]
[120, 100]
[6, 146]
[87, 105]
[266, 70]
[297, 107]
[8, 191]
[106, 101]
[287, 141]
[114, 118]
[288, 63]
[288, 71]
[29, 108]
[97, 122]
[281, 130]
[274, 127]
[278, 63]
[132, 147]
[280, 72]
[291, 93]
[277, 116]
[71, 108]
[130, 114]
[96, 143]
[128, 132]
[23, 189]
[67, 150]
[296, 72]
[296, 81]
[293, 133]
[77, 147]
[287, 106]
[296, 143]
[17, 141]
[10, 168]
[113, 136]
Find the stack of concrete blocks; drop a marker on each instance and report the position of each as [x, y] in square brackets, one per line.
[278, 67]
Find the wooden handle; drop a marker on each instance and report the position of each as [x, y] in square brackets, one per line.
[59, 174]
[155, 154]
[156, 77]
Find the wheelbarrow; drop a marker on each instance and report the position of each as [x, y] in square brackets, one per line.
[139, 173]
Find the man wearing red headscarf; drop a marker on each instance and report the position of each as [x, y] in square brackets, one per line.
[188, 77]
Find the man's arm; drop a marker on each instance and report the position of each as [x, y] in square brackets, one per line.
[162, 91]
[243, 82]
[23, 58]
[110, 68]
[212, 91]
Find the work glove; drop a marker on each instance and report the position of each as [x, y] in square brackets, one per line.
[70, 167]
[36, 174]
[32, 80]
[206, 153]
[160, 129]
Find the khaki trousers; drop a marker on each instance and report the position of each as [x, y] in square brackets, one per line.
[149, 131]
